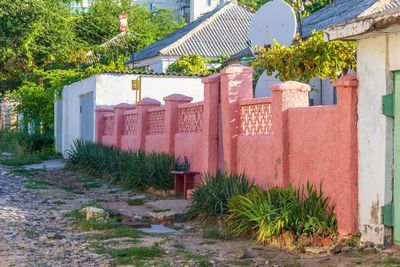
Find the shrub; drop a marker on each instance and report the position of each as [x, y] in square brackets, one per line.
[268, 214]
[210, 201]
[132, 169]
[26, 148]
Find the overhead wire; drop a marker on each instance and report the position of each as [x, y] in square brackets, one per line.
[84, 29]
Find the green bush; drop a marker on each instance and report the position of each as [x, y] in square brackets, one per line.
[132, 169]
[269, 214]
[26, 148]
[210, 201]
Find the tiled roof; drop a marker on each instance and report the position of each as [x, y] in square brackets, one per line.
[223, 31]
[335, 13]
[341, 11]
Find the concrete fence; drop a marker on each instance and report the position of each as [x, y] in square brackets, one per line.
[277, 140]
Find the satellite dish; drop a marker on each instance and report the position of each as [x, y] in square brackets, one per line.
[275, 20]
[265, 83]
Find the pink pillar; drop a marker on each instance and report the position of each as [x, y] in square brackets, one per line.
[284, 96]
[99, 123]
[171, 117]
[347, 105]
[119, 111]
[236, 84]
[143, 107]
[210, 123]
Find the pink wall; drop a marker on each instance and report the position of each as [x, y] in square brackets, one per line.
[275, 140]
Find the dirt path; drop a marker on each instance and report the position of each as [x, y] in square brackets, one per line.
[36, 231]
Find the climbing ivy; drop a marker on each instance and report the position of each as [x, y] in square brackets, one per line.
[310, 58]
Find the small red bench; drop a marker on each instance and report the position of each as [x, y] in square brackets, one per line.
[183, 181]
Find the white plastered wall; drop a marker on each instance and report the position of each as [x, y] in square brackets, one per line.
[71, 109]
[376, 58]
[160, 87]
[113, 89]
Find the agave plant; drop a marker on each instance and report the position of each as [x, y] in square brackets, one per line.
[210, 201]
[266, 215]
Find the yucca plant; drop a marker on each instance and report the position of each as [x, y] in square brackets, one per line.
[266, 215]
[210, 200]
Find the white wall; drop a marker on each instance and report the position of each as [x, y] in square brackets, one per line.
[375, 132]
[158, 64]
[160, 87]
[199, 7]
[71, 109]
[113, 89]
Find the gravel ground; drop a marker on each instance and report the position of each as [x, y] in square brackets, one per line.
[34, 233]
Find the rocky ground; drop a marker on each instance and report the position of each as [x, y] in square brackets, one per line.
[37, 229]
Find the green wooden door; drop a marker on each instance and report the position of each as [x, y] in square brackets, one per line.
[396, 180]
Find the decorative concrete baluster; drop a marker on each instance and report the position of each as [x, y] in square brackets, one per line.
[99, 132]
[236, 84]
[284, 96]
[143, 119]
[171, 117]
[119, 111]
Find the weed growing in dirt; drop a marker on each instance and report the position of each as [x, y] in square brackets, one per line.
[118, 232]
[67, 187]
[132, 254]
[59, 202]
[161, 210]
[216, 233]
[135, 201]
[35, 184]
[27, 173]
[391, 261]
[94, 223]
[26, 148]
[353, 240]
[201, 260]
[89, 182]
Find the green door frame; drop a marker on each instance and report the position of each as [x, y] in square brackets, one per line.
[396, 167]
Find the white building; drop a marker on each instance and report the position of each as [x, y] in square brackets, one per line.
[377, 33]
[75, 113]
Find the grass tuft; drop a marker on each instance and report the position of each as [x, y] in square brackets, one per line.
[135, 201]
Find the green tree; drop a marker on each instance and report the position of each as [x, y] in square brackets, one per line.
[310, 6]
[43, 46]
[190, 65]
[33, 34]
[147, 26]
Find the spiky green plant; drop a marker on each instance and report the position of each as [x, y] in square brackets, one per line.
[132, 169]
[210, 201]
[266, 215]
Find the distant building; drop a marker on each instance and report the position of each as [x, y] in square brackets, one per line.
[80, 6]
[184, 9]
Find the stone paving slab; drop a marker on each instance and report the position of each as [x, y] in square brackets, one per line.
[158, 229]
[51, 165]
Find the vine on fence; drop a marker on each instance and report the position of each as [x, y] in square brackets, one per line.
[310, 58]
